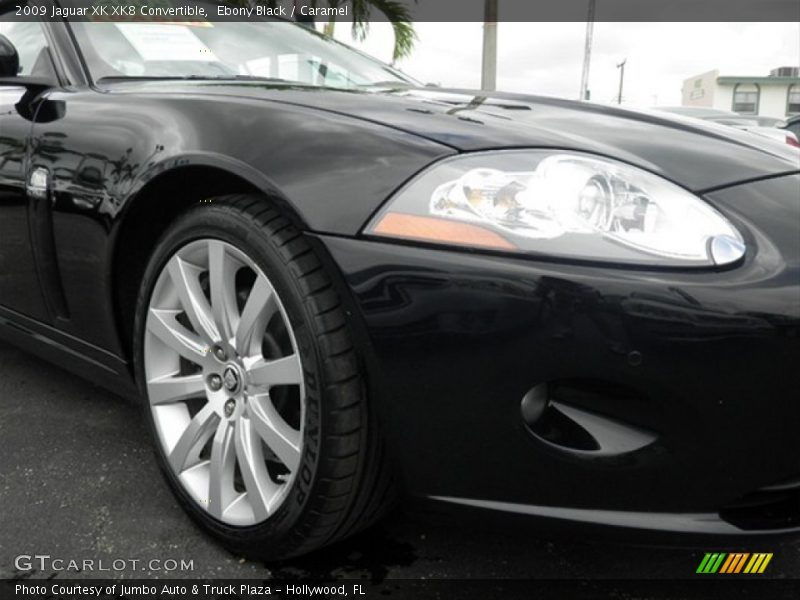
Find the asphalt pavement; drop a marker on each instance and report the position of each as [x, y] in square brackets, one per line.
[78, 480]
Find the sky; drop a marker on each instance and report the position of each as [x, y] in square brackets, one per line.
[547, 58]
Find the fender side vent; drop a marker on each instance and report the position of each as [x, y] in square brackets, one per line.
[578, 430]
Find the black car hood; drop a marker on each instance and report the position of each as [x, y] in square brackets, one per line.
[697, 155]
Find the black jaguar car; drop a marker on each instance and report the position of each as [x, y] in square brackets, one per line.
[327, 284]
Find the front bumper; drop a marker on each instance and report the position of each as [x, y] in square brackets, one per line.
[699, 368]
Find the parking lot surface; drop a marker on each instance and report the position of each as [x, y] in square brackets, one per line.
[79, 481]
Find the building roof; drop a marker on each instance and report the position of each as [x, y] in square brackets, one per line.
[763, 80]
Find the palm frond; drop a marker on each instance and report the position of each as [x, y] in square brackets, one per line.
[397, 13]
[361, 10]
[404, 38]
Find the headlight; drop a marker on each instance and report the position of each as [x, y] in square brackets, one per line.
[563, 204]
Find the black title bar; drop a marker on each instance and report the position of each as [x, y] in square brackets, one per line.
[705, 588]
[408, 10]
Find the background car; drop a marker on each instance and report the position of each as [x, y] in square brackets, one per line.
[326, 285]
[764, 126]
[793, 126]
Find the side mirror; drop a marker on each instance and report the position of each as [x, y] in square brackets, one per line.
[9, 59]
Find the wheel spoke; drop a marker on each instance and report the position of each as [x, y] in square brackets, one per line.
[260, 489]
[275, 431]
[186, 279]
[281, 371]
[222, 282]
[171, 388]
[258, 309]
[164, 325]
[223, 462]
[186, 452]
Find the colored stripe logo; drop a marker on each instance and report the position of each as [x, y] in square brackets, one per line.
[734, 562]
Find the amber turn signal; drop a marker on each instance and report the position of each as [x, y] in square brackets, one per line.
[432, 229]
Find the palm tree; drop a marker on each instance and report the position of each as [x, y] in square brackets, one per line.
[396, 12]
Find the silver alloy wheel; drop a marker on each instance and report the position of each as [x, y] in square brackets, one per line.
[224, 382]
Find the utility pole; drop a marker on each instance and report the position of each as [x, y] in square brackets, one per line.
[587, 53]
[489, 67]
[621, 67]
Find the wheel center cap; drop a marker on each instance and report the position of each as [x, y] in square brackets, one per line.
[231, 379]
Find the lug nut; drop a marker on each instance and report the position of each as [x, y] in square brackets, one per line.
[215, 382]
[219, 352]
[230, 406]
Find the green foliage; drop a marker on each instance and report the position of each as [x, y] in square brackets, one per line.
[394, 11]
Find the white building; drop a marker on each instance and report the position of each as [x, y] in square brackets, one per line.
[776, 95]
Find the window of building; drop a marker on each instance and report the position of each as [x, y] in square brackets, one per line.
[745, 99]
[793, 100]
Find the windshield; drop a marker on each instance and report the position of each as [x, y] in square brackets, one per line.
[274, 50]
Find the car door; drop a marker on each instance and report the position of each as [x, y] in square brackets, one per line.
[19, 228]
